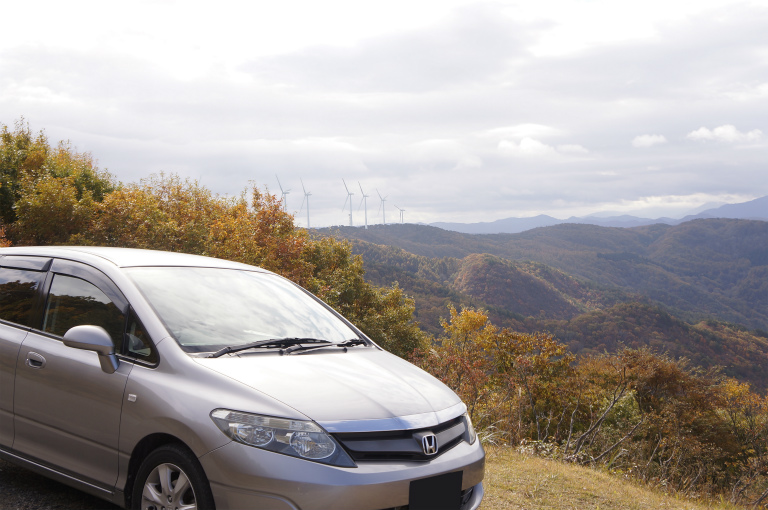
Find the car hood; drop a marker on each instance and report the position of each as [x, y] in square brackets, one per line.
[332, 387]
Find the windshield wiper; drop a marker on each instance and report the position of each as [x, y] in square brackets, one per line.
[272, 342]
[345, 344]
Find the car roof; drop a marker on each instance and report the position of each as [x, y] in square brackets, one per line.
[124, 257]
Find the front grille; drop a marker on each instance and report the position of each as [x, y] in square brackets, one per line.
[402, 444]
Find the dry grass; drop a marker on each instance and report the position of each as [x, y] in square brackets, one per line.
[513, 481]
[517, 481]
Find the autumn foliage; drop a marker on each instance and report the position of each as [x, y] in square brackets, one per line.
[59, 196]
[641, 414]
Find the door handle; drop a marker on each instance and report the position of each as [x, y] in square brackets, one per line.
[35, 360]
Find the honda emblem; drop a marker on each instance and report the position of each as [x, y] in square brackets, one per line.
[429, 444]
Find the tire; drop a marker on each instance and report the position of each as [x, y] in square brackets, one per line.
[171, 478]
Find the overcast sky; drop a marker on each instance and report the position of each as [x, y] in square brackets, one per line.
[453, 110]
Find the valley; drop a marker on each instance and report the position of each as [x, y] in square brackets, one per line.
[697, 290]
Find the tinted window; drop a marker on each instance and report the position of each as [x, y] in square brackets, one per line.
[75, 302]
[17, 294]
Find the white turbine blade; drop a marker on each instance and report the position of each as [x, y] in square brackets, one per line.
[302, 186]
[302, 203]
[279, 185]
[345, 186]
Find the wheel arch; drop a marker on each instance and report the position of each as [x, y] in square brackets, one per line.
[143, 448]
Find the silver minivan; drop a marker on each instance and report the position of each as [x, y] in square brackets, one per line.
[165, 381]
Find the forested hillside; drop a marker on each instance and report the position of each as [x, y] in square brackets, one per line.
[696, 290]
[699, 269]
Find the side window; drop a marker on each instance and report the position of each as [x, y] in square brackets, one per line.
[76, 302]
[137, 344]
[18, 288]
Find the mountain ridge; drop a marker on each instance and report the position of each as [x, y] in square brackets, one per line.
[698, 289]
[756, 209]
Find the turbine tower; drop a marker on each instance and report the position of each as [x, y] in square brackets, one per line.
[401, 213]
[381, 208]
[365, 199]
[349, 199]
[284, 193]
[306, 199]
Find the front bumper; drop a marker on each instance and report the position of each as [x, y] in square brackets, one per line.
[245, 477]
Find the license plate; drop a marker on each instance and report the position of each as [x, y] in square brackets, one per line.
[442, 492]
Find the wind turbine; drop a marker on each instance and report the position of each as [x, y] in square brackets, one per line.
[365, 199]
[401, 213]
[284, 193]
[381, 208]
[306, 199]
[349, 199]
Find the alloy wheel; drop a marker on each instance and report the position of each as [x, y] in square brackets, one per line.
[168, 488]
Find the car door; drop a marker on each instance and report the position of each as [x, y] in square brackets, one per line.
[20, 280]
[67, 409]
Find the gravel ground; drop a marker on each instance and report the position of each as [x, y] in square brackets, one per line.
[24, 490]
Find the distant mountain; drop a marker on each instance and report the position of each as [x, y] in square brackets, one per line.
[753, 210]
[623, 221]
[698, 269]
[668, 287]
[756, 209]
[508, 225]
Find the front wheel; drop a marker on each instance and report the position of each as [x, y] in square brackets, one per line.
[171, 478]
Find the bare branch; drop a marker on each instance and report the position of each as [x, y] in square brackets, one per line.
[596, 426]
[617, 443]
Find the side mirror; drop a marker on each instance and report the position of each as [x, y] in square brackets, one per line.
[93, 338]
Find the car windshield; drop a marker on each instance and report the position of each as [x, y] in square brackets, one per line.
[208, 308]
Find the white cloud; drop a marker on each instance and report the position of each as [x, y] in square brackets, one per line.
[469, 163]
[440, 151]
[748, 92]
[530, 147]
[673, 205]
[725, 133]
[642, 141]
[534, 147]
[437, 148]
[459, 101]
[522, 130]
[526, 147]
[472, 46]
[572, 148]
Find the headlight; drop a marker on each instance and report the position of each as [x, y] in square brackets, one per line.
[297, 438]
[471, 434]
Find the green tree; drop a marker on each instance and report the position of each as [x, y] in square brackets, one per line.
[21, 153]
[459, 358]
[31, 171]
[165, 212]
[49, 211]
[384, 314]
